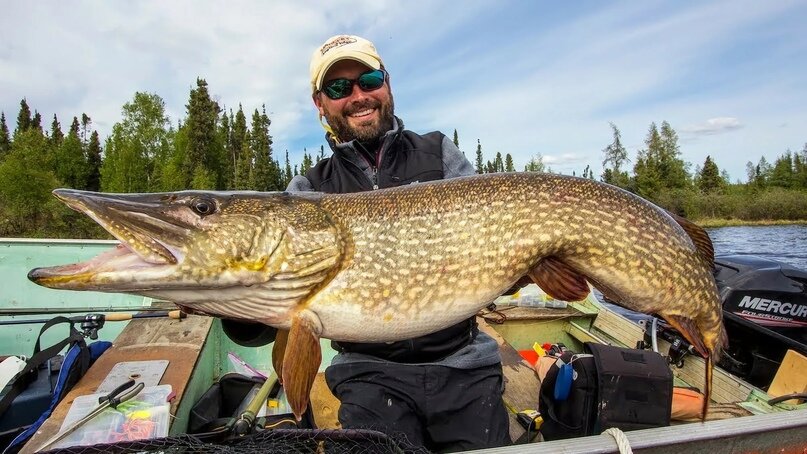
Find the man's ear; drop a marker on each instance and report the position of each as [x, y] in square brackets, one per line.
[318, 103]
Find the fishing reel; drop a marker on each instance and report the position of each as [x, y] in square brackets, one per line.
[91, 324]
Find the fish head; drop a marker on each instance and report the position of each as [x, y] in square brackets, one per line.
[197, 245]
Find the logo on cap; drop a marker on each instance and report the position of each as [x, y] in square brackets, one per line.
[339, 41]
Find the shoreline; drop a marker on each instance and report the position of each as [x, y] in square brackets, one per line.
[714, 223]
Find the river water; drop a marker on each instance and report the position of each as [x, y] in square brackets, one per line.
[785, 243]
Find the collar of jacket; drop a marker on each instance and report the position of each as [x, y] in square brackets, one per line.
[348, 150]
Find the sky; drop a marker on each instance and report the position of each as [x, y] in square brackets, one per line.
[521, 77]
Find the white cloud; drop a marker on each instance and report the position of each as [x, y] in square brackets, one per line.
[523, 77]
[713, 126]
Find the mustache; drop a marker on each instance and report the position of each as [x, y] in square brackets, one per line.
[361, 105]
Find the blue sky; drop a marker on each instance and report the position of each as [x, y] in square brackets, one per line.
[523, 77]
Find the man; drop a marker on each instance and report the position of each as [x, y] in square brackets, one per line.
[442, 390]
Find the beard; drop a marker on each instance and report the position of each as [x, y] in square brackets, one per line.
[365, 131]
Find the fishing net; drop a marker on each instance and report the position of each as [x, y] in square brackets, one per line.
[315, 441]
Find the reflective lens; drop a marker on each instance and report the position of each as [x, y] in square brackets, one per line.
[341, 88]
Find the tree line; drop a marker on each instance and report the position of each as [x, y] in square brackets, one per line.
[221, 149]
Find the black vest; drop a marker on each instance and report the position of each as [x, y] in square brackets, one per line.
[409, 158]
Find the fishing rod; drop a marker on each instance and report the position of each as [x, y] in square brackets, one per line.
[91, 323]
[160, 306]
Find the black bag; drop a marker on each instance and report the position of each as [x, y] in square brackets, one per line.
[28, 400]
[215, 412]
[585, 394]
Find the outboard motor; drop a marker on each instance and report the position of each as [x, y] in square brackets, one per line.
[765, 313]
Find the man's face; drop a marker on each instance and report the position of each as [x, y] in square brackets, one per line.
[363, 115]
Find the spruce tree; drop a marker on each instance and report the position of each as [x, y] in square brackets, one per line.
[228, 160]
[238, 137]
[202, 164]
[508, 164]
[288, 175]
[321, 154]
[94, 163]
[36, 122]
[709, 179]
[308, 162]
[479, 159]
[498, 163]
[23, 118]
[262, 147]
[72, 168]
[5, 138]
[457, 139]
[56, 135]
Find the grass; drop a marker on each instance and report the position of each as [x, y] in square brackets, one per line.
[713, 223]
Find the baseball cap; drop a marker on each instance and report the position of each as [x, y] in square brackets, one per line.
[341, 47]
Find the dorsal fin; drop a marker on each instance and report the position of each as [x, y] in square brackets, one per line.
[699, 236]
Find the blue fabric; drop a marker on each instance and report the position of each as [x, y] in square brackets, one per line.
[96, 349]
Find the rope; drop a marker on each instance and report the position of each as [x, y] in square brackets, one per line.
[621, 440]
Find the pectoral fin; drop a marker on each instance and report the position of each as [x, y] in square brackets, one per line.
[302, 359]
[279, 352]
[559, 280]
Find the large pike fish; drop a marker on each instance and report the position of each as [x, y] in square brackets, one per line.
[396, 263]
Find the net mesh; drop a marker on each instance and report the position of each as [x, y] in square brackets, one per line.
[353, 441]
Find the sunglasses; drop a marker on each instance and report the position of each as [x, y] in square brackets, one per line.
[342, 88]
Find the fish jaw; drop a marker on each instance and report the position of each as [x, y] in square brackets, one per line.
[211, 248]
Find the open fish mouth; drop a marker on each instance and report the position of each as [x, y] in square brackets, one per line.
[147, 241]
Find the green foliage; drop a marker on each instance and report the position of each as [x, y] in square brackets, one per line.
[72, 168]
[479, 159]
[203, 156]
[536, 164]
[26, 182]
[5, 138]
[708, 180]
[456, 139]
[94, 163]
[614, 157]
[508, 164]
[137, 143]
[23, 118]
[56, 135]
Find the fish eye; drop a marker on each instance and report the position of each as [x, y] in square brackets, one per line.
[203, 207]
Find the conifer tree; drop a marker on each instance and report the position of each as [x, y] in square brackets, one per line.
[308, 162]
[5, 138]
[709, 179]
[56, 134]
[23, 118]
[85, 128]
[72, 168]
[94, 163]
[36, 122]
[479, 159]
[457, 140]
[782, 172]
[498, 164]
[508, 164]
[202, 164]
[321, 154]
[228, 159]
[262, 147]
[238, 137]
[288, 175]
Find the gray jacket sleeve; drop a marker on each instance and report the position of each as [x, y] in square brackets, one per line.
[455, 164]
[299, 184]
